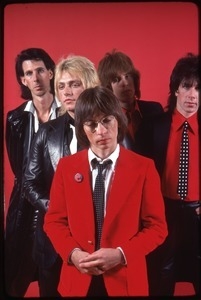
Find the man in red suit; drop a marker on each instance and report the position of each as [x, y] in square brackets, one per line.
[133, 224]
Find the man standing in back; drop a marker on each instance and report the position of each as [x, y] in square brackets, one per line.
[178, 164]
[35, 75]
[118, 73]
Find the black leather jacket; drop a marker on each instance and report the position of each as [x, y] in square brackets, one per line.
[50, 144]
[19, 135]
[21, 218]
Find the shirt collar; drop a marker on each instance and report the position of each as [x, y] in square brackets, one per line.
[134, 108]
[70, 120]
[30, 108]
[178, 119]
[113, 156]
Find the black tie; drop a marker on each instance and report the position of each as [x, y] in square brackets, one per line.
[182, 189]
[98, 198]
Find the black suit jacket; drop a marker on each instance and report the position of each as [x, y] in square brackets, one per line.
[153, 136]
[152, 141]
[147, 110]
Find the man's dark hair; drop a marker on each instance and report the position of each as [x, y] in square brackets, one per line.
[93, 102]
[186, 71]
[36, 54]
[114, 62]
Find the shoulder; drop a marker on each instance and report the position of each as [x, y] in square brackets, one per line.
[76, 158]
[152, 120]
[149, 103]
[136, 164]
[134, 157]
[74, 161]
[150, 106]
[51, 130]
[17, 112]
[54, 124]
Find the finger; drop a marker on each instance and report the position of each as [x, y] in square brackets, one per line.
[88, 265]
[96, 271]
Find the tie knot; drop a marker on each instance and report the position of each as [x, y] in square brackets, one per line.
[185, 125]
[101, 166]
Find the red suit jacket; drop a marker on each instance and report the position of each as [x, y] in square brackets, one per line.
[134, 221]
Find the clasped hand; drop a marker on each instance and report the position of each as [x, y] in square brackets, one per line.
[97, 262]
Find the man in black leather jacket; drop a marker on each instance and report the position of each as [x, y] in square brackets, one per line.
[54, 140]
[118, 73]
[35, 75]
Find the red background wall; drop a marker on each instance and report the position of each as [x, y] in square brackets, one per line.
[154, 34]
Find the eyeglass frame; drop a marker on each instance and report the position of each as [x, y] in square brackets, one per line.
[95, 123]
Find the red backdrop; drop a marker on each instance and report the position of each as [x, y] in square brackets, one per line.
[155, 35]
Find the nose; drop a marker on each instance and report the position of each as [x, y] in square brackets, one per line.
[124, 80]
[100, 129]
[35, 76]
[67, 90]
[193, 92]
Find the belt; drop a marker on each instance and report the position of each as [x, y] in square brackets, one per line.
[182, 203]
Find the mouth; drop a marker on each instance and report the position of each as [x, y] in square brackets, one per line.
[37, 87]
[191, 103]
[126, 92]
[103, 141]
[69, 100]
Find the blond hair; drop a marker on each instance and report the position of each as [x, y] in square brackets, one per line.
[79, 66]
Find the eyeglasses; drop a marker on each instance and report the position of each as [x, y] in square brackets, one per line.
[106, 122]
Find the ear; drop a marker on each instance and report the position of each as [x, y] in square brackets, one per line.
[23, 80]
[176, 93]
[50, 74]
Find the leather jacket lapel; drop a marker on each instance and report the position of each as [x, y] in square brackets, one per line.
[55, 141]
[28, 133]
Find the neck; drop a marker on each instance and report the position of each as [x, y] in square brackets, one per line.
[103, 153]
[43, 106]
[128, 106]
[72, 114]
[187, 115]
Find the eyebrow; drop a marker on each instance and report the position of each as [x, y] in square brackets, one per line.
[36, 69]
[70, 81]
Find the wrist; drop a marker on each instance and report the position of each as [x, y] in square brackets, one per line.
[73, 252]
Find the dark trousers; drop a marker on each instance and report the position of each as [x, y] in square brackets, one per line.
[49, 279]
[97, 287]
[19, 268]
[179, 256]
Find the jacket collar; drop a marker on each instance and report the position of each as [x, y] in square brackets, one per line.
[55, 139]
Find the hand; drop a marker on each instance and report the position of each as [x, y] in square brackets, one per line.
[76, 256]
[101, 260]
[198, 210]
